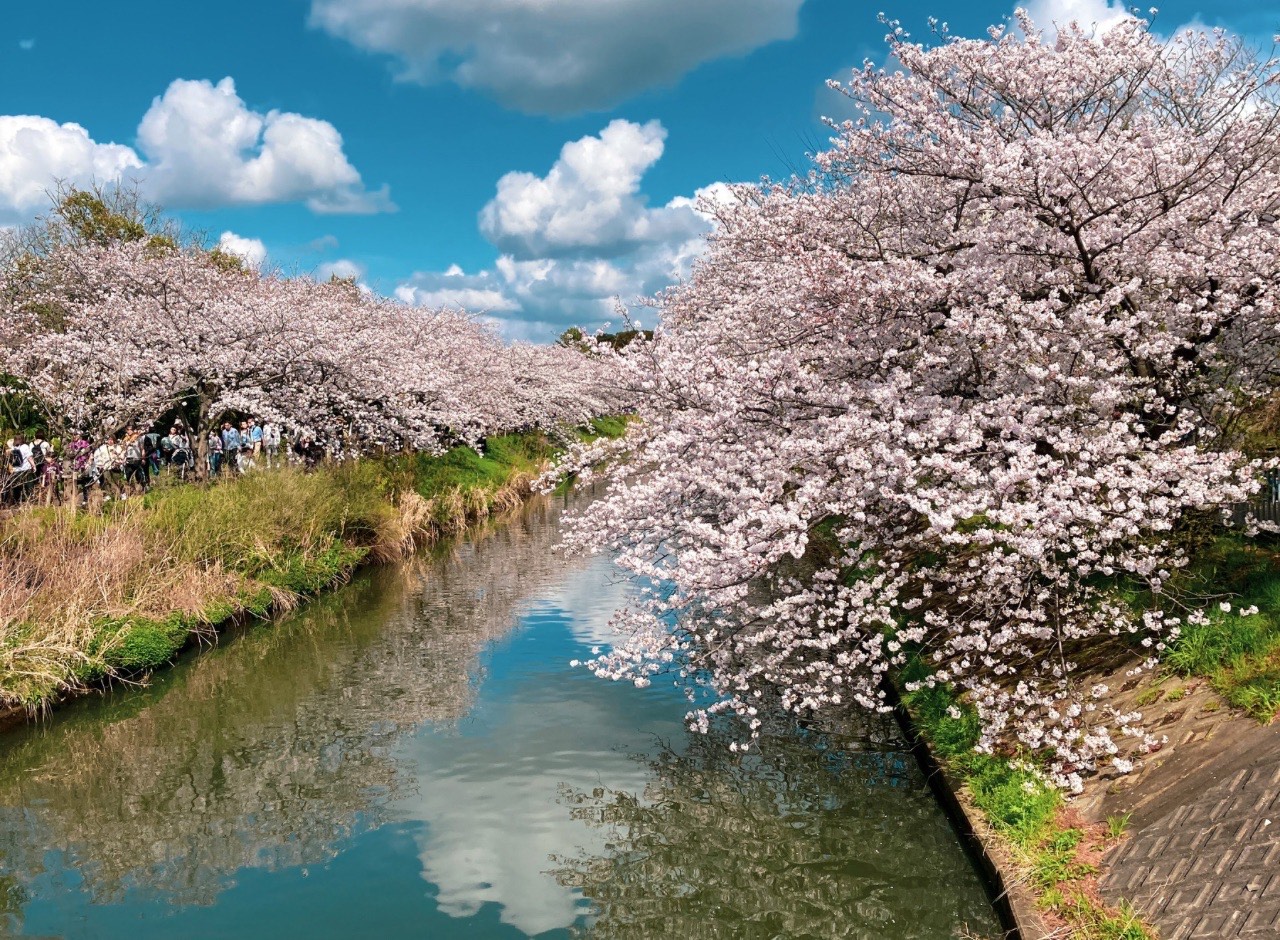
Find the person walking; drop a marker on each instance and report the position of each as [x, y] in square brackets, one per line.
[80, 455]
[45, 469]
[230, 446]
[135, 462]
[246, 452]
[106, 469]
[151, 452]
[214, 443]
[271, 442]
[21, 469]
[179, 451]
[255, 438]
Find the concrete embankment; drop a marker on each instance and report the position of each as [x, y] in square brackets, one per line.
[1201, 852]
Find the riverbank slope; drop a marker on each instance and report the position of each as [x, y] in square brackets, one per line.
[88, 597]
[1186, 843]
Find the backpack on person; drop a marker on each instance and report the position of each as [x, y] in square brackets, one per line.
[132, 453]
[38, 456]
[16, 460]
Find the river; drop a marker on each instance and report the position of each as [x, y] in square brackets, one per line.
[413, 756]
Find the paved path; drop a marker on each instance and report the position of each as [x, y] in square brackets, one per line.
[1202, 857]
[1212, 867]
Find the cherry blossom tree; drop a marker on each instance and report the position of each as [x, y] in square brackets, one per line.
[953, 392]
[112, 334]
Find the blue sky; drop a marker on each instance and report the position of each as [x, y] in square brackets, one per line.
[418, 143]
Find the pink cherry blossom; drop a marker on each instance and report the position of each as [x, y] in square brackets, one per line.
[951, 389]
[108, 336]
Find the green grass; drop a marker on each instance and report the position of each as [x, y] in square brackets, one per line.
[611, 427]
[1118, 824]
[464, 469]
[146, 644]
[1091, 922]
[1240, 655]
[1227, 638]
[1056, 860]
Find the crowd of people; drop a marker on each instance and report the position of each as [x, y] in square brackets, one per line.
[129, 461]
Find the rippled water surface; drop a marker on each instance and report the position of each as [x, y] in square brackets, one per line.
[414, 757]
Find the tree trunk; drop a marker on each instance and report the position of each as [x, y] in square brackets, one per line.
[200, 446]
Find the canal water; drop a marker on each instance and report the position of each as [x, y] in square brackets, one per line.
[413, 756]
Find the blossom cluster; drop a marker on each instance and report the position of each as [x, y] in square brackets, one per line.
[956, 392]
[106, 336]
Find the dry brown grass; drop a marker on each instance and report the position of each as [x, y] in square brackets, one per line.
[417, 522]
[405, 530]
[73, 584]
[63, 573]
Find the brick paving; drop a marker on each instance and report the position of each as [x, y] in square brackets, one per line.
[1212, 867]
[1202, 855]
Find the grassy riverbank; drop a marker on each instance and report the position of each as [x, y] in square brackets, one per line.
[1048, 849]
[1053, 850]
[86, 596]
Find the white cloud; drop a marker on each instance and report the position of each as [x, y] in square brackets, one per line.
[577, 241]
[556, 58]
[706, 199]
[206, 148]
[539, 298]
[343, 268]
[250, 250]
[478, 293]
[26, 45]
[1103, 14]
[36, 153]
[200, 146]
[589, 202]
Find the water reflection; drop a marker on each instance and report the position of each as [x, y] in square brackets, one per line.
[812, 835]
[273, 751]
[413, 757]
[488, 792]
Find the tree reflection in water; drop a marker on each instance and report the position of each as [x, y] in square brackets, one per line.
[272, 750]
[279, 750]
[781, 842]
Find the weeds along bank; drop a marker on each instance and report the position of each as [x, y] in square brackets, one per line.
[86, 596]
